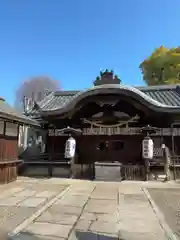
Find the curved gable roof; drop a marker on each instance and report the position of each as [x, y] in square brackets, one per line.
[137, 94]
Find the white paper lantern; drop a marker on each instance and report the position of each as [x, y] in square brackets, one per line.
[147, 148]
[70, 148]
[163, 146]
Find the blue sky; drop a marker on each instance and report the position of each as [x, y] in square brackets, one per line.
[71, 41]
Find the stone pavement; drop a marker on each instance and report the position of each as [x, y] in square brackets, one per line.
[47, 209]
[20, 199]
[168, 202]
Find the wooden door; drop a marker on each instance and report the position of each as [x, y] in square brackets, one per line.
[109, 150]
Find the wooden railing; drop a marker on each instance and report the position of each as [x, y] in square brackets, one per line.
[158, 159]
[133, 172]
[45, 158]
[158, 152]
[45, 161]
[157, 162]
[34, 157]
[175, 160]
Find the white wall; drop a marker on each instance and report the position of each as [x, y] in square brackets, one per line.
[31, 138]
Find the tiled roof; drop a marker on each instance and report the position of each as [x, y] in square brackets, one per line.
[56, 100]
[165, 94]
[7, 112]
[169, 95]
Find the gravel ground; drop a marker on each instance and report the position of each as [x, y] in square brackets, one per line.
[168, 201]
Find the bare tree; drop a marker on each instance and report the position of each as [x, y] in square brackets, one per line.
[35, 88]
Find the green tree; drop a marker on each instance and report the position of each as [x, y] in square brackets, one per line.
[162, 67]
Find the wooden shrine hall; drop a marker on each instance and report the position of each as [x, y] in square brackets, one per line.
[107, 122]
[10, 120]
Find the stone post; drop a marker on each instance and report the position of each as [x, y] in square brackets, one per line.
[147, 152]
[167, 163]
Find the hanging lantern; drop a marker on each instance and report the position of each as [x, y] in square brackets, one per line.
[70, 148]
[147, 148]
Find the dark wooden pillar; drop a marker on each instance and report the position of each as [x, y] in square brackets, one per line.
[147, 168]
[2, 139]
[51, 156]
[76, 166]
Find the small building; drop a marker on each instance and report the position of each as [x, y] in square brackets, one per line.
[111, 117]
[10, 121]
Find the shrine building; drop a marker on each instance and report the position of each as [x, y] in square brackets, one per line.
[107, 122]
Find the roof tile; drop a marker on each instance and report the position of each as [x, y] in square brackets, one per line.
[7, 112]
[166, 94]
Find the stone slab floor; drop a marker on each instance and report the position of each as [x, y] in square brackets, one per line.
[86, 211]
[168, 201]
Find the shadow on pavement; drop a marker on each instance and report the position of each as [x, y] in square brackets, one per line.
[27, 236]
[77, 236]
[93, 236]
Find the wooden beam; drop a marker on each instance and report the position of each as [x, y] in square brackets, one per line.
[4, 133]
[117, 131]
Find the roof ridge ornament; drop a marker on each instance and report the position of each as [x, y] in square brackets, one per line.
[107, 77]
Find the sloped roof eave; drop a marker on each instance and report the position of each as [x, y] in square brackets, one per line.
[23, 120]
[115, 89]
